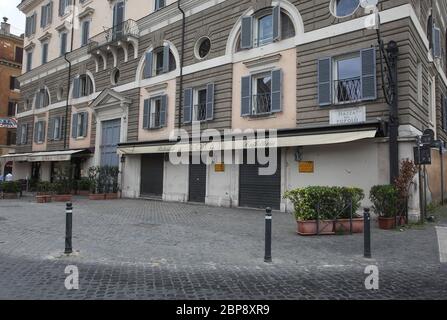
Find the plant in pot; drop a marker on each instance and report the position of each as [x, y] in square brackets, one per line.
[44, 192]
[63, 185]
[10, 189]
[314, 209]
[350, 202]
[112, 182]
[96, 184]
[84, 186]
[385, 201]
[404, 181]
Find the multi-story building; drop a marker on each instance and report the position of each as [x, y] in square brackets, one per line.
[111, 88]
[11, 51]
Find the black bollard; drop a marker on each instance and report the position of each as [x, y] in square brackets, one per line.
[68, 229]
[367, 233]
[268, 235]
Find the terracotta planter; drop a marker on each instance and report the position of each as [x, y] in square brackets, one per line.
[387, 223]
[83, 193]
[10, 196]
[63, 198]
[309, 228]
[111, 196]
[344, 225]
[100, 196]
[43, 198]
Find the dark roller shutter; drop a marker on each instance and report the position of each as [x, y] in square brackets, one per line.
[256, 191]
[197, 182]
[152, 168]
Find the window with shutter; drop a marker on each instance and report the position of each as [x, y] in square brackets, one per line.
[146, 114]
[246, 97]
[187, 105]
[324, 81]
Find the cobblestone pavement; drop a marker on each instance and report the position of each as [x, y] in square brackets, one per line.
[135, 249]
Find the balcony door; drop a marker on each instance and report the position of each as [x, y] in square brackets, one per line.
[118, 20]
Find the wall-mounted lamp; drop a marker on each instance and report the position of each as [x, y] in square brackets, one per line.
[299, 154]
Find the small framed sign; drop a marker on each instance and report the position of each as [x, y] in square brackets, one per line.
[306, 167]
[219, 167]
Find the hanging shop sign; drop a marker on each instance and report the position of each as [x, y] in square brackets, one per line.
[8, 123]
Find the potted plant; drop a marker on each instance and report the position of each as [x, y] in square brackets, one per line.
[84, 186]
[314, 209]
[112, 182]
[62, 186]
[10, 190]
[385, 204]
[44, 191]
[96, 184]
[350, 202]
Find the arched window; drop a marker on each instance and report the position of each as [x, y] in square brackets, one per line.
[158, 61]
[344, 8]
[82, 86]
[42, 98]
[265, 26]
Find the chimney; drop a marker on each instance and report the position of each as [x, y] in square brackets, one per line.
[5, 26]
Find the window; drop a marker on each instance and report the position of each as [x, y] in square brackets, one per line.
[261, 93]
[12, 106]
[11, 138]
[344, 8]
[30, 27]
[115, 76]
[203, 48]
[39, 132]
[430, 25]
[46, 15]
[85, 32]
[159, 4]
[44, 52]
[29, 61]
[198, 104]
[22, 134]
[159, 61]
[64, 7]
[444, 112]
[19, 55]
[347, 82]
[79, 125]
[82, 86]
[347, 79]
[154, 116]
[431, 102]
[264, 27]
[42, 98]
[64, 37]
[55, 129]
[14, 84]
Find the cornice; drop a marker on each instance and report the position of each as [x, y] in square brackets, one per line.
[26, 5]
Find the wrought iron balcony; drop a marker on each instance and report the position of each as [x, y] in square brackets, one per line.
[262, 103]
[123, 35]
[121, 32]
[200, 112]
[348, 90]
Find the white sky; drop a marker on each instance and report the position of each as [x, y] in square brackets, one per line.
[8, 8]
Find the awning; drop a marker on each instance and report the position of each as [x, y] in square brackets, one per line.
[52, 156]
[279, 142]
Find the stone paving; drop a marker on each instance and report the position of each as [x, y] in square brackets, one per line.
[135, 249]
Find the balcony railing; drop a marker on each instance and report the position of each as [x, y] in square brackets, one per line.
[262, 103]
[120, 32]
[200, 112]
[348, 90]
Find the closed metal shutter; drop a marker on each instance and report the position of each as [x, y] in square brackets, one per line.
[152, 168]
[197, 182]
[257, 191]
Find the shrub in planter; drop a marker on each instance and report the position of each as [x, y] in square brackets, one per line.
[62, 191]
[44, 191]
[103, 182]
[10, 189]
[351, 199]
[385, 199]
[83, 186]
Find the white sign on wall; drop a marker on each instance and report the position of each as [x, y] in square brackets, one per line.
[348, 116]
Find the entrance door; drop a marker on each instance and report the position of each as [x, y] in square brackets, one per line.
[110, 138]
[152, 168]
[197, 182]
[259, 191]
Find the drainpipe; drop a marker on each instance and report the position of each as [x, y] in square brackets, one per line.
[69, 78]
[182, 55]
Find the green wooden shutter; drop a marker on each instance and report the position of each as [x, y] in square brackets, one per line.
[276, 98]
[369, 81]
[276, 23]
[247, 33]
[325, 81]
[147, 72]
[187, 106]
[147, 114]
[163, 110]
[74, 126]
[246, 96]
